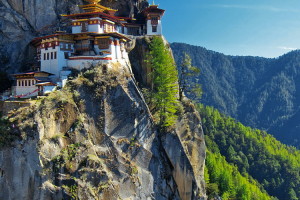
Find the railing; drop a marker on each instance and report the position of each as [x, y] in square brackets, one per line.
[83, 47]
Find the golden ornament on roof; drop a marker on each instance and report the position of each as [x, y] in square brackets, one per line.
[93, 1]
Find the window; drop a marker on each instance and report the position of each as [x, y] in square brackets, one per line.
[55, 55]
[19, 83]
[25, 82]
[154, 20]
[103, 43]
[66, 55]
[32, 82]
[29, 83]
[44, 56]
[51, 55]
[47, 56]
[154, 29]
[84, 27]
[22, 83]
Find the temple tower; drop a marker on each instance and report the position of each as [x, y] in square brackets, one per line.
[153, 16]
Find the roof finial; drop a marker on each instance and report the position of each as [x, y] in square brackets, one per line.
[153, 3]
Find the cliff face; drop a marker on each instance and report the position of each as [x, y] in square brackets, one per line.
[95, 140]
[22, 20]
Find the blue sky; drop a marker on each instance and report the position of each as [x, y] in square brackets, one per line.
[267, 28]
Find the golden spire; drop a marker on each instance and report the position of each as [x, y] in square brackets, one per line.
[94, 6]
[93, 1]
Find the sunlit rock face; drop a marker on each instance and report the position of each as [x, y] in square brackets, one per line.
[97, 140]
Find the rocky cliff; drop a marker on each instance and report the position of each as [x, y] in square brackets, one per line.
[95, 139]
[22, 20]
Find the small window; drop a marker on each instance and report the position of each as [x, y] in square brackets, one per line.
[55, 55]
[22, 83]
[103, 43]
[25, 82]
[84, 27]
[66, 55]
[47, 56]
[44, 56]
[19, 83]
[51, 55]
[32, 82]
[154, 29]
[29, 83]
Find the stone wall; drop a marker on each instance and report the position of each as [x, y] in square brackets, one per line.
[7, 106]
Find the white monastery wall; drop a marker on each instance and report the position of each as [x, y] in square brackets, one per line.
[76, 29]
[49, 60]
[95, 27]
[22, 90]
[149, 28]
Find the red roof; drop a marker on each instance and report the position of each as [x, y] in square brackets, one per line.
[126, 18]
[31, 73]
[153, 9]
[88, 14]
[46, 84]
[113, 34]
[38, 39]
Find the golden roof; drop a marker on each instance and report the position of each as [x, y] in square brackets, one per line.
[93, 1]
[94, 6]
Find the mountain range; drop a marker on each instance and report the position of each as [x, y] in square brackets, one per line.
[259, 92]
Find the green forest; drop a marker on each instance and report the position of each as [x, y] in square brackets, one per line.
[243, 162]
[259, 92]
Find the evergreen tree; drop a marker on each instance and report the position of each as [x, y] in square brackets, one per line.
[255, 155]
[292, 195]
[165, 82]
[188, 82]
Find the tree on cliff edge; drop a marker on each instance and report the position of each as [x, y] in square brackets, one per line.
[165, 82]
[188, 82]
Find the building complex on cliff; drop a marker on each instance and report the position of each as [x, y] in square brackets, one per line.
[98, 37]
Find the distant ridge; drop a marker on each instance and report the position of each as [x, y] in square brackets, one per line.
[260, 92]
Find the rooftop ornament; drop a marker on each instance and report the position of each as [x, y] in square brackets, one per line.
[93, 1]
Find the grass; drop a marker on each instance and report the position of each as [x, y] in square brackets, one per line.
[8, 132]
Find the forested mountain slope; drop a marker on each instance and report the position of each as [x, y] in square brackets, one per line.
[274, 165]
[260, 92]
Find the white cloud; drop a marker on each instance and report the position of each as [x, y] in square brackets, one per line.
[287, 48]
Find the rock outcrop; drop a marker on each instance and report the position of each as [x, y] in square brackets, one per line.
[95, 139]
[22, 20]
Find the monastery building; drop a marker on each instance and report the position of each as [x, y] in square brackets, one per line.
[98, 36]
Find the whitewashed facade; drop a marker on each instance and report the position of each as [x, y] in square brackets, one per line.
[98, 37]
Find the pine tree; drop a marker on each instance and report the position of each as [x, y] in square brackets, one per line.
[188, 82]
[165, 82]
